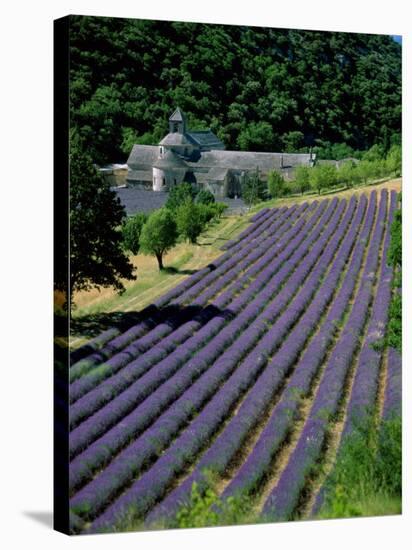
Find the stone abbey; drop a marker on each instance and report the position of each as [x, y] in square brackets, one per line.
[200, 158]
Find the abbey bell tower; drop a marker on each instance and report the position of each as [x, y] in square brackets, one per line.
[177, 122]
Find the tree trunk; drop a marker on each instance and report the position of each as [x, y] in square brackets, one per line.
[159, 260]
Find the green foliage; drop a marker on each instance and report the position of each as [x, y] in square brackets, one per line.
[395, 246]
[253, 188]
[159, 234]
[323, 176]
[257, 136]
[302, 179]
[276, 184]
[206, 509]
[347, 174]
[218, 208]
[205, 197]
[394, 160]
[262, 89]
[394, 336]
[179, 194]
[191, 220]
[96, 254]
[334, 151]
[369, 465]
[131, 230]
[129, 138]
[365, 170]
[293, 141]
[376, 152]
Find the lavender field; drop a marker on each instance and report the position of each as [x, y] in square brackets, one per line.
[245, 377]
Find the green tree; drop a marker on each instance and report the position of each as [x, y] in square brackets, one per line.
[292, 141]
[260, 94]
[376, 152]
[205, 197]
[253, 188]
[190, 220]
[323, 176]
[276, 184]
[159, 234]
[132, 229]
[96, 254]
[365, 170]
[218, 209]
[394, 160]
[302, 178]
[129, 138]
[257, 136]
[180, 194]
[346, 173]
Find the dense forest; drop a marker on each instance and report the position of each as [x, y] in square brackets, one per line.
[257, 88]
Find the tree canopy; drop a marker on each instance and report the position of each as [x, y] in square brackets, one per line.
[276, 184]
[96, 254]
[253, 188]
[190, 221]
[159, 234]
[257, 88]
[179, 194]
[132, 229]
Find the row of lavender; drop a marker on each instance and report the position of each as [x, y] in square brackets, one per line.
[144, 361]
[115, 438]
[265, 289]
[140, 424]
[89, 500]
[93, 352]
[116, 383]
[182, 293]
[284, 498]
[363, 399]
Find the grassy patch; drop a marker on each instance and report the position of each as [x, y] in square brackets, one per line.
[367, 477]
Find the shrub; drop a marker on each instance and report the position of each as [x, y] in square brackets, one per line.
[369, 466]
[180, 194]
[206, 509]
[253, 189]
[205, 197]
[276, 184]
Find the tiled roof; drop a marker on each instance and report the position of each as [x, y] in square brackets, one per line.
[139, 175]
[245, 160]
[169, 160]
[206, 139]
[176, 138]
[142, 157]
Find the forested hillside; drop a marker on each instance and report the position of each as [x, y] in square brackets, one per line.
[257, 88]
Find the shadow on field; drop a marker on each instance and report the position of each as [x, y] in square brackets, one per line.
[173, 315]
[176, 271]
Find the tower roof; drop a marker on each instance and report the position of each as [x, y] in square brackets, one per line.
[177, 139]
[177, 116]
[170, 160]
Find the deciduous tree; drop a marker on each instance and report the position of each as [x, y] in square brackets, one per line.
[96, 253]
[159, 234]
